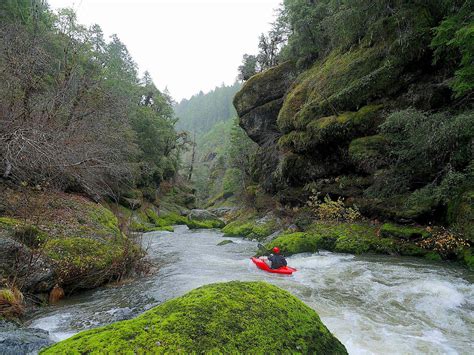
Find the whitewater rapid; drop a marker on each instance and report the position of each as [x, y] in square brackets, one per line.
[372, 304]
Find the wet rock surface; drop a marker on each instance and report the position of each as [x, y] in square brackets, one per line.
[16, 340]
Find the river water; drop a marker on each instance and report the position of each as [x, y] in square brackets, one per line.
[374, 305]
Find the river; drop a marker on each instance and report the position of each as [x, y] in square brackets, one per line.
[373, 304]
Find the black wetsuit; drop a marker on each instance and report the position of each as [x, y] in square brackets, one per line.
[277, 261]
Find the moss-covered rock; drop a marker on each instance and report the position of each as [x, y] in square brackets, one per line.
[264, 87]
[343, 238]
[86, 263]
[342, 81]
[251, 228]
[225, 242]
[389, 230]
[234, 317]
[368, 153]
[80, 239]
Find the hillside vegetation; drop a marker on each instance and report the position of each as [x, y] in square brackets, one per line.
[369, 105]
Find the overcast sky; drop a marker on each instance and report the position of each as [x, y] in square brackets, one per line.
[186, 45]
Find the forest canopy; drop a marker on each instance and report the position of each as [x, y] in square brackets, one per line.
[75, 114]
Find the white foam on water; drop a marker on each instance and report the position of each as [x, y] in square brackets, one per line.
[374, 305]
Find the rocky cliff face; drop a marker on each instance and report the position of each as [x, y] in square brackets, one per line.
[321, 127]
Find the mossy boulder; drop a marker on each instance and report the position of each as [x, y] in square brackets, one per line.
[251, 228]
[87, 263]
[225, 242]
[389, 230]
[351, 238]
[233, 317]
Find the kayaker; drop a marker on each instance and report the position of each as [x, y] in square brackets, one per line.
[274, 260]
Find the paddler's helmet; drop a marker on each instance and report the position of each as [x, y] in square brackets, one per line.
[276, 250]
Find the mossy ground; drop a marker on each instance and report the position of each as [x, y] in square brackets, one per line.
[233, 317]
[81, 238]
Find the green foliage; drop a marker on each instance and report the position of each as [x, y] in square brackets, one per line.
[332, 210]
[233, 317]
[232, 182]
[428, 150]
[389, 230]
[248, 68]
[368, 153]
[318, 27]
[461, 213]
[223, 164]
[202, 111]
[85, 87]
[453, 44]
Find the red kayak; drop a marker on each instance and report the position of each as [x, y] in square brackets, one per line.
[285, 270]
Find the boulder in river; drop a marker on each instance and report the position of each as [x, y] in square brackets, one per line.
[232, 317]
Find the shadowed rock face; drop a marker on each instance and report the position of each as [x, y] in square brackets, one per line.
[260, 101]
[16, 340]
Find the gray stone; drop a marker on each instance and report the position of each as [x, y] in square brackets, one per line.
[17, 340]
[35, 274]
[201, 215]
[222, 211]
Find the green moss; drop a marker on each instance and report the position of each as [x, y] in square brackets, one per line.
[176, 219]
[225, 242]
[433, 256]
[250, 229]
[461, 214]
[332, 130]
[342, 81]
[295, 243]
[390, 230]
[233, 317]
[9, 223]
[7, 295]
[147, 227]
[22, 232]
[105, 219]
[82, 253]
[468, 258]
[368, 153]
[343, 238]
[238, 229]
[263, 87]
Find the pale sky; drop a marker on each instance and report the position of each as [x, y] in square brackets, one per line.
[186, 45]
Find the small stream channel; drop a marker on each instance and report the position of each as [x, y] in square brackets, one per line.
[374, 305]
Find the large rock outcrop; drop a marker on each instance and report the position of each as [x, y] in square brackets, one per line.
[233, 317]
[325, 121]
[260, 100]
